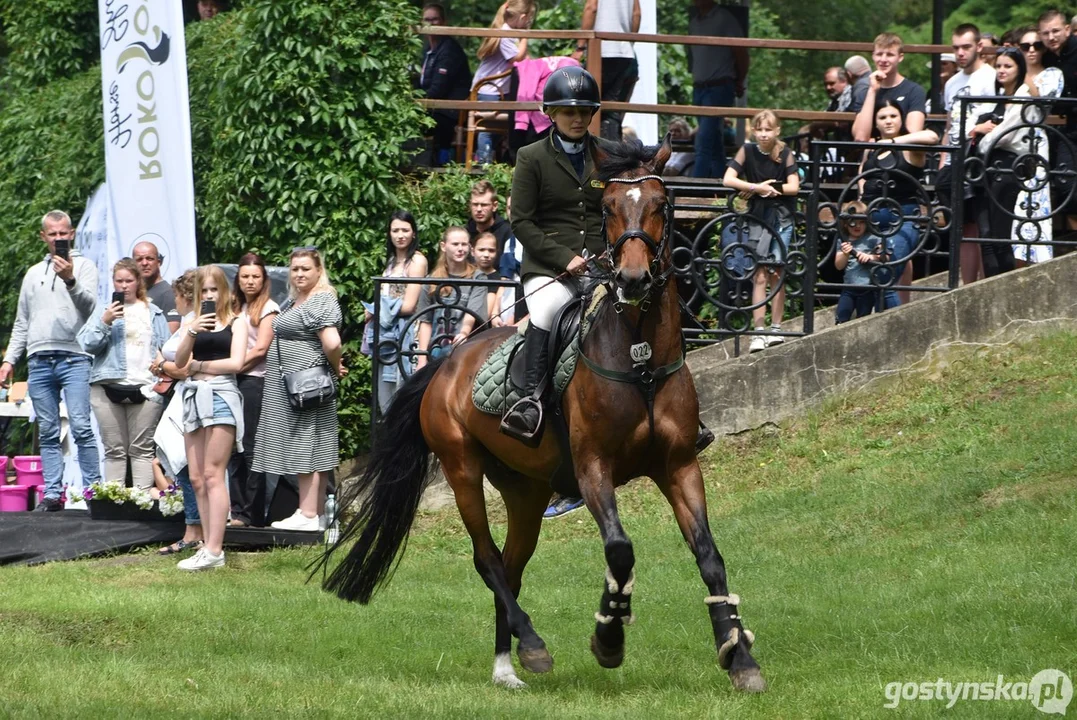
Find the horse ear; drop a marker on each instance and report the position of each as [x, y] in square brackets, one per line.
[662, 156]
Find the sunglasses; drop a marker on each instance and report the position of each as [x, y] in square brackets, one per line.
[1025, 47]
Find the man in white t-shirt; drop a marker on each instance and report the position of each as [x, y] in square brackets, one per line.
[974, 77]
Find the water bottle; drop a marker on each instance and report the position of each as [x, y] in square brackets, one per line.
[332, 526]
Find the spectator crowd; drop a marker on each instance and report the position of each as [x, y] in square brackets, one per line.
[188, 381]
[1014, 222]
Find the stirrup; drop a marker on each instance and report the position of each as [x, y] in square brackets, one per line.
[529, 437]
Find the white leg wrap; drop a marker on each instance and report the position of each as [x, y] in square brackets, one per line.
[730, 599]
[727, 648]
[607, 619]
[505, 674]
[613, 587]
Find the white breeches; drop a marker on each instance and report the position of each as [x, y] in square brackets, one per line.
[549, 296]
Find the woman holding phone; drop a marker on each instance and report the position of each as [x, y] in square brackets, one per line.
[124, 338]
[212, 351]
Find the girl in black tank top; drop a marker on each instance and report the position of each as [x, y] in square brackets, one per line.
[766, 172]
[215, 345]
[891, 135]
[212, 358]
[890, 130]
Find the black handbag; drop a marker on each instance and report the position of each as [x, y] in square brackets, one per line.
[124, 394]
[310, 388]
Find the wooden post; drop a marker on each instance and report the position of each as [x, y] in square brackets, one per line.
[594, 66]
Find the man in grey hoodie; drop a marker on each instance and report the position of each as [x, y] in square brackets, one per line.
[57, 297]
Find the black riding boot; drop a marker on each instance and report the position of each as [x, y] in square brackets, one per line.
[523, 420]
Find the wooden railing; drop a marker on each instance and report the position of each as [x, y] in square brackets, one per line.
[594, 66]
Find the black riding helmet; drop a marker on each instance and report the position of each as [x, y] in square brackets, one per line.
[571, 86]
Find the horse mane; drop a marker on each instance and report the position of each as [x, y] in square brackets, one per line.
[618, 158]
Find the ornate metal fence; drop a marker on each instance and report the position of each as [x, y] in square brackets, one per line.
[399, 344]
[736, 262]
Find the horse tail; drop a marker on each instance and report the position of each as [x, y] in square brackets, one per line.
[390, 489]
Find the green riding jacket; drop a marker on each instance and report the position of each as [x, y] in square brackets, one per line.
[555, 215]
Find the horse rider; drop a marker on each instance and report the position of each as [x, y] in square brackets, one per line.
[556, 214]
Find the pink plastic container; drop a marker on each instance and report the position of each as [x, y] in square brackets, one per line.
[14, 498]
[28, 470]
[3, 468]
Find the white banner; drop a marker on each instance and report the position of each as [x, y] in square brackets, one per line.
[147, 132]
[646, 90]
[91, 239]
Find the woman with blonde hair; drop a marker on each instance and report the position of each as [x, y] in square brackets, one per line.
[305, 335]
[497, 55]
[441, 325]
[765, 172]
[212, 351]
[123, 339]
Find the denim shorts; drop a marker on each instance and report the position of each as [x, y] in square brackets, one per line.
[222, 414]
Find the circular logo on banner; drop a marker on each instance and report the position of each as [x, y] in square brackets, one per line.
[163, 249]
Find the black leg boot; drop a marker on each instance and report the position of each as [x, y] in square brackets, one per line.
[704, 437]
[523, 420]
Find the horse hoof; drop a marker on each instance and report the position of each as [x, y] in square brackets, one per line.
[509, 681]
[606, 657]
[536, 660]
[749, 680]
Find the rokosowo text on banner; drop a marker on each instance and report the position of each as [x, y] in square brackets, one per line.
[147, 131]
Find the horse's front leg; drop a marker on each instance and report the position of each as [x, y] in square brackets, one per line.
[683, 487]
[615, 609]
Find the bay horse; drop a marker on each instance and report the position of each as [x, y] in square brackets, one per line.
[617, 432]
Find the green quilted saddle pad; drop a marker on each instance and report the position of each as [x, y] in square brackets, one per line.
[493, 393]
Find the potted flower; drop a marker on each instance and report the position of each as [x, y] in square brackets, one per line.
[112, 500]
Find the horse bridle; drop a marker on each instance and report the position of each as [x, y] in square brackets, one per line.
[657, 249]
[641, 375]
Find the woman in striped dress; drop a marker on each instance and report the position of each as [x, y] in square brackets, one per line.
[301, 442]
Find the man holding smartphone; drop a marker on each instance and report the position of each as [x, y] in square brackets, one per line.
[56, 298]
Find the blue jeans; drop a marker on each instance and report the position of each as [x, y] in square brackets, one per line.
[49, 374]
[484, 150]
[190, 504]
[858, 300]
[710, 137]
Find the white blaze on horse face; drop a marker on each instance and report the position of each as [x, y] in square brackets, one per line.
[634, 195]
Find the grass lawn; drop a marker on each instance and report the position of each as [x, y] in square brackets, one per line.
[918, 532]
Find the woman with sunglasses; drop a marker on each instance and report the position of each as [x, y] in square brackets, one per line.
[1046, 83]
[1000, 144]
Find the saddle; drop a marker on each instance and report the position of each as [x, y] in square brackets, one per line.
[499, 381]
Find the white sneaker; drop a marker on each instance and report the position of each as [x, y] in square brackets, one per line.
[775, 340]
[202, 560]
[758, 343]
[298, 521]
